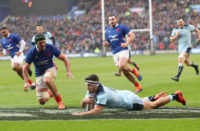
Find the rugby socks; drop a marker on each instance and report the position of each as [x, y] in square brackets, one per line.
[30, 82]
[58, 98]
[173, 97]
[136, 84]
[195, 66]
[192, 64]
[180, 69]
[50, 94]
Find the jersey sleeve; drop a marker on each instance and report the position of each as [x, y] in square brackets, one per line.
[173, 32]
[102, 99]
[17, 39]
[56, 52]
[49, 35]
[191, 27]
[125, 30]
[28, 58]
[33, 39]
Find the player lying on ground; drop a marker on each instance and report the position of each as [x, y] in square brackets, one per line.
[15, 45]
[42, 57]
[103, 96]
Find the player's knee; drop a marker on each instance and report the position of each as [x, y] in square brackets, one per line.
[15, 67]
[122, 66]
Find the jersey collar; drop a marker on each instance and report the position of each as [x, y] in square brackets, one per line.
[115, 25]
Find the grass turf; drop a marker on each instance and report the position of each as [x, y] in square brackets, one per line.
[156, 71]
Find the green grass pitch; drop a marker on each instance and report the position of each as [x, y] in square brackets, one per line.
[156, 71]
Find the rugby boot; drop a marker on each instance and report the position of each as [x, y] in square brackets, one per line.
[138, 89]
[61, 105]
[180, 97]
[176, 78]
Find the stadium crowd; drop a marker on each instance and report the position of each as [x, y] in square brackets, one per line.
[83, 33]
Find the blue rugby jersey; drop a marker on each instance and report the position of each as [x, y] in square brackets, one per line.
[11, 43]
[42, 60]
[115, 36]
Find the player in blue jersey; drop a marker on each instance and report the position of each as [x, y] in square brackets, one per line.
[48, 37]
[101, 96]
[42, 57]
[115, 37]
[15, 45]
[183, 34]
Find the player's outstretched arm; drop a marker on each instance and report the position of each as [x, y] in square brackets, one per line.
[67, 65]
[25, 75]
[97, 109]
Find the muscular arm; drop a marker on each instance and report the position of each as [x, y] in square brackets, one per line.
[67, 64]
[25, 75]
[198, 33]
[173, 38]
[97, 109]
[130, 38]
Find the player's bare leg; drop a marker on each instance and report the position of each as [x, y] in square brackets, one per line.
[181, 60]
[188, 62]
[178, 96]
[48, 80]
[18, 68]
[124, 66]
[126, 70]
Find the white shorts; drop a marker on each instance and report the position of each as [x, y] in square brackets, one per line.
[118, 55]
[42, 88]
[17, 59]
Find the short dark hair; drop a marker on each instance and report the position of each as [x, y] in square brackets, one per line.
[180, 17]
[92, 77]
[39, 37]
[3, 27]
[38, 24]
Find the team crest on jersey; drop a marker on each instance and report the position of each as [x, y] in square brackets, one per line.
[48, 54]
[117, 29]
[10, 40]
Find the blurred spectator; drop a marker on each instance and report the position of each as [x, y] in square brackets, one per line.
[82, 33]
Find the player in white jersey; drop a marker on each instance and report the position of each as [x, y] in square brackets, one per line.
[183, 34]
[101, 96]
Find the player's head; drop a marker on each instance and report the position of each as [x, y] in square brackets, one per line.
[112, 20]
[40, 42]
[180, 22]
[4, 31]
[39, 28]
[92, 82]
